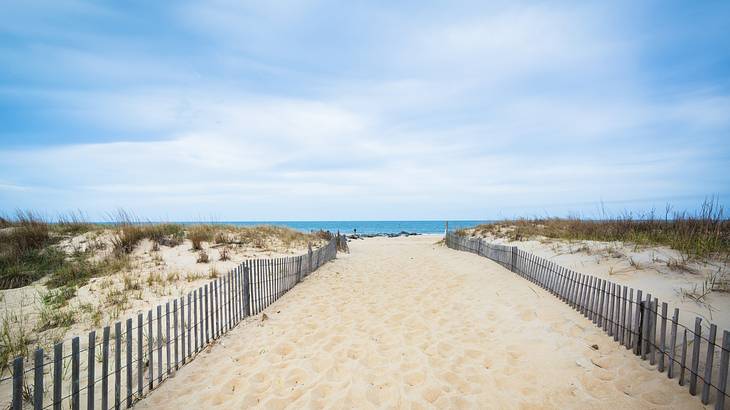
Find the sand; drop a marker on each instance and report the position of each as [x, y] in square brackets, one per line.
[648, 268]
[406, 323]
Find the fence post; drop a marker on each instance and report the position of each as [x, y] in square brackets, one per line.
[38, 380]
[247, 291]
[309, 255]
[513, 259]
[708, 365]
[695, 356]
[117, 365]
[75, 384]
[128, 357]
[174, 334]
[724, 359]
[140, 365]
[105, 369]
[672, 343]
[641, 316]
[150, 348]
[18, 383]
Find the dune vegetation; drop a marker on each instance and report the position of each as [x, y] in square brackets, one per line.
[700, 234]
[120, 265]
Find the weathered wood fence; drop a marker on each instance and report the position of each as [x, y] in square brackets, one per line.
[136, 355]
[633, 318]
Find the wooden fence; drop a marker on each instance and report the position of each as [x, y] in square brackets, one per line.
[136, 355]
[640, 323]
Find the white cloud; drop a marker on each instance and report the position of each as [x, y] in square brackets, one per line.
[467, 112]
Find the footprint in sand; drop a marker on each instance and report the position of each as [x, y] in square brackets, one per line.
[528, 314]
[457, 382]
[414, 378]
[658, 397]
[431, 393]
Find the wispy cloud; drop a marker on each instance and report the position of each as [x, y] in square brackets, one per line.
[325, 110]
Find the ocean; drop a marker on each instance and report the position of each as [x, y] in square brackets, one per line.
[365, 227]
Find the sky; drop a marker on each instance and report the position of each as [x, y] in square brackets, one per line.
[331, 110]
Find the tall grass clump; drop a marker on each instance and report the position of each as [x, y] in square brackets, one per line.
[25, 252]
[704, 233]
[262, 236]
[129, 231]
[15, 339]
[73, 223]
[199, 234]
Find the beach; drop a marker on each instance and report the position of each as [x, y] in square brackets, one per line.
[408, 323]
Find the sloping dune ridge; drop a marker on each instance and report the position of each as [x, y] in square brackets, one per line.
[407, 323]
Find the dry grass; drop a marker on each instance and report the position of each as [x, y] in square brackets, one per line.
[700, 234]
[28, 250]
[224, 254]
[15, 339]
[202, 257]
[26, 254]
[129, 231]
[199, 234]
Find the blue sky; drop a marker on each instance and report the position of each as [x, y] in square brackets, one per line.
[352, 110]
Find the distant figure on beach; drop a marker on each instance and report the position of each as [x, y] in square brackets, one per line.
[354, 230]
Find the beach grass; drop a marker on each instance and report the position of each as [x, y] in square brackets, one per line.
[704, 233]
[29, 243]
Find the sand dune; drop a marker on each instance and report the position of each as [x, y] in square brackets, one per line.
[404, 323]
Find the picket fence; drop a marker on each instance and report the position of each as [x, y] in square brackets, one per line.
[135, 356]
[639, 323]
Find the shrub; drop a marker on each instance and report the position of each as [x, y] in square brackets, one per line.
[202, 257]
[224, 254]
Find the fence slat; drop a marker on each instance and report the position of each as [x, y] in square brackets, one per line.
[140, 362]
[630, 320]
[695, 356]
[189, 326]
[150, 352]
[201, 322]
[207, 335]
[622, 320]
[175, 332]
[195, 318]
[722, 382]
[117, 365]
[159, 344]
[646, 312]
[214, 309]
[612, 311]
[182, 333]
[247, 309]
[167, 337]
[615, 305]
[75, 376]
[18, 383]
[637, 323]
[38, 379]
[129, 362]
[663, 337]
[105, 369]
[707, 382]
[683, 359]
[652, 331]
[229, 306]
[673, 343]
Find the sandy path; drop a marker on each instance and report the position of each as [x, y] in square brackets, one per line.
[403, 323]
